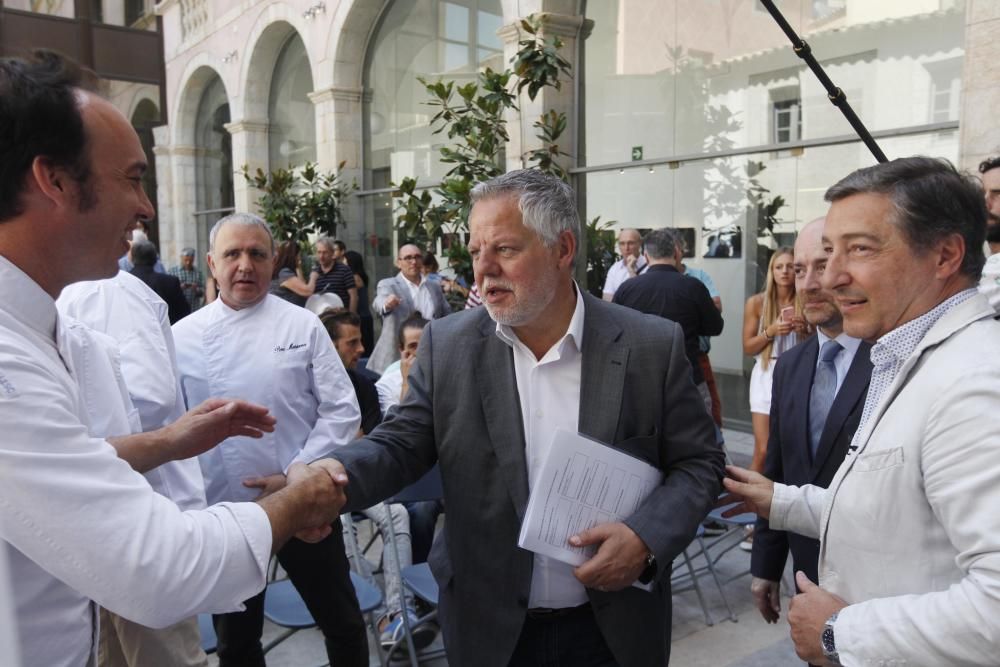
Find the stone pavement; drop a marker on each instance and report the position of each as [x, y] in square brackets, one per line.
[748, 642]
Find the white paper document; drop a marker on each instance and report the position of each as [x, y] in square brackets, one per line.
[581, 483]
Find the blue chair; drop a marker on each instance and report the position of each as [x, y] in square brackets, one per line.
[418, 578]
[284, 607]
[689, 580]
[732, 537]
[209, 642]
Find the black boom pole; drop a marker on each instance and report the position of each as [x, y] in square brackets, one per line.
[836, 95]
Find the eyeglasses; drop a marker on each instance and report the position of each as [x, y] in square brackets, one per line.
[412, 258]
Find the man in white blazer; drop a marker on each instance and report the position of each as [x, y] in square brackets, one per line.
[398, 297]
[909, 566]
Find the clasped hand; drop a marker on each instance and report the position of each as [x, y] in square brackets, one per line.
[619, 561]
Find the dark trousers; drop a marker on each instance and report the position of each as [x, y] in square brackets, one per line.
[423, 520]
[565, 639]
[321, 574]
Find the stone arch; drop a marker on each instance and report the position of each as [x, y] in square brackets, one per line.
[353, 27]
[142, 100]
[272, 29]
[193, 86]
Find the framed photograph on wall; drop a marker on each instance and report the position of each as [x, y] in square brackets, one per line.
[687, 234]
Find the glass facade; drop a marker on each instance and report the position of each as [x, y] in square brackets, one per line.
[291, 136]
[432, 39]
[724, 116]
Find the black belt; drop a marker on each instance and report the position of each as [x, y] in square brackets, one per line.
[545, 613]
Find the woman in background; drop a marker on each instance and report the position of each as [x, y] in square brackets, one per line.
[772, 323]
[286, 279]
[357, 264]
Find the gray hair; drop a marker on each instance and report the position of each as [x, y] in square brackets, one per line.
[931, 200]
[662, 243]
[547, 204]
[245, 219]
[325, 240]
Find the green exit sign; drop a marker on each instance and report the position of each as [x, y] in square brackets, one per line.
[636, 153]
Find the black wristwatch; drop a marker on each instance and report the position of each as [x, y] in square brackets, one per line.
[650, 572]
[829, 643]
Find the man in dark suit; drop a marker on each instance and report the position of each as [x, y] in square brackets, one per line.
[816, 403]
[663, 290]
[166, 286]
[486, 393]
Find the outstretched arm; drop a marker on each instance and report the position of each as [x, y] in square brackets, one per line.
[196, 432]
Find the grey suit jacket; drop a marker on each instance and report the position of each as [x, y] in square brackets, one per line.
[463, 412]
[386, 349]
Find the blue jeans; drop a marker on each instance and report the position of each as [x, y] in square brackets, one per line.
[570, 640]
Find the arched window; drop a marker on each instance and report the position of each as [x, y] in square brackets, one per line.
[291, 138]
[448, 39]
[215, 159]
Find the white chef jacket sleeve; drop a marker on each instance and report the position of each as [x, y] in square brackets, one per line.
[959, 625]
[797, 509]
[339, 416]
[82, 514]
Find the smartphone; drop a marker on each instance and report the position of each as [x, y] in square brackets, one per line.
[787, 313]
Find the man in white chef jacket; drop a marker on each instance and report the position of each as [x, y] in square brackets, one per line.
[252, 345]
[137, 321]
[80, 526]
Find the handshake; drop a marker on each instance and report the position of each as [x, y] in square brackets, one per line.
[304, 502]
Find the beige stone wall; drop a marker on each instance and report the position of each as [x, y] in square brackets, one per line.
[980, 123]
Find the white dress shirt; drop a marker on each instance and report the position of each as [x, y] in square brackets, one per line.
[549, 391]
[618, 274]
[389, 387]
[134, 315]
[842, 362]
[78, 524]
[280, 356]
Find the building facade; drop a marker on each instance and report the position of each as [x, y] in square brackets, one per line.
[688, 113]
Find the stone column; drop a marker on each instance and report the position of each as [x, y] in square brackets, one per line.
[169, 225]
[569, 28]
[249, 148]
[339, 138]
[979, 130]
[183, 183]
[338, 127]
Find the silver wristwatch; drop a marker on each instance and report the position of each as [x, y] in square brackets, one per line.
[829, 644]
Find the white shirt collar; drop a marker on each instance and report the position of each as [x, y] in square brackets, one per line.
[22, 296]
[574, 332]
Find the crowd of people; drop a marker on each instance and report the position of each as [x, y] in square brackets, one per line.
[165, 437]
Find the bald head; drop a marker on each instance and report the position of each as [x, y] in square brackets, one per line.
[410, 261]
[809, 262]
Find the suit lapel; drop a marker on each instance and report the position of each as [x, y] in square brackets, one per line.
[502, 410]
[802, 373]
[602, 375]
[851, 391]
[403, 290]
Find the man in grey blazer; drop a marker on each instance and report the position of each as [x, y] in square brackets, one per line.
[399, 297]
[487, 390]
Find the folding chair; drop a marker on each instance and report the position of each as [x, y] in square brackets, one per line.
[418, 578]
[369, 594]
[737, 524]
[689, 580]
[284, 607]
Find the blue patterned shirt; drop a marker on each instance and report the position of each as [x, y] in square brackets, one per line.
[894, 348]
